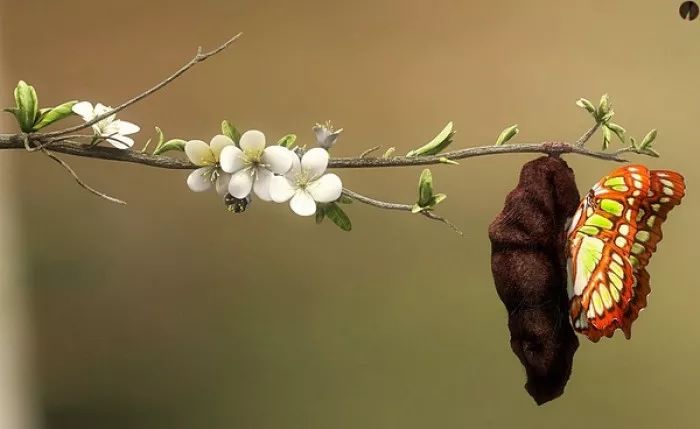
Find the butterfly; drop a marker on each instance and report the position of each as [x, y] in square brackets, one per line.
[613, 233]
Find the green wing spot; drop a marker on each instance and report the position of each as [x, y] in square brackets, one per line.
[615, 181]
[634, 261]
[597, 302]
[637, 248]
[589, 254]
[599, 221]
[605, 296]
[643, 236]
[612, 207]
[617, 269]
[620, 188]
[615, 280]
[588, 230]
[615, 294]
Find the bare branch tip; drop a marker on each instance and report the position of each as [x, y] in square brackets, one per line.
[79, 181]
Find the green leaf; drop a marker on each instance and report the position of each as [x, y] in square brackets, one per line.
[389, 152]
[618, 130]
[607, 136]
[448, 161]
[41, 113]
[437, 144]
[651, 152]
[344, 199]
[174, 144]
[633, 142]
[229, 130]
[606, 117]
[54, 114]
[648, 140]
[161, 140]
[338, 216]
[320, 213]
[507, 134]
[586, 104]
[27, 106]
[287, 141]
[604, 105]
[425, 188]
[438, 198]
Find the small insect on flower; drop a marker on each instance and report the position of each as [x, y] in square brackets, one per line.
[113, 130]
[236, 205]
[206, 157]
[306, 184]
[326, 135]
[253, 165]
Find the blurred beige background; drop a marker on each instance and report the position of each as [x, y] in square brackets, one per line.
[172, 313]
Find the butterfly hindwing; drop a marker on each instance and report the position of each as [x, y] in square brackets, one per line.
[667, 189]
[611, 238]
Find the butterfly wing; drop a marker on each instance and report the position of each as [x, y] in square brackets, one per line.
[667, 189]
[601, 239]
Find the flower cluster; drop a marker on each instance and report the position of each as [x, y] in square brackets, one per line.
[272, 173]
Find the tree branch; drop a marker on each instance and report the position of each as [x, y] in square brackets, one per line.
[66, 141]
[401, 207]
[70, 147]
[80, 182]
[588, 134]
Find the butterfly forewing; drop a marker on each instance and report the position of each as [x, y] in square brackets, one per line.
[611, 239]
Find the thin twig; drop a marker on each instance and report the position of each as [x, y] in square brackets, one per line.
[433, 216]
[370, 150]
[80, 182]
[401, 207]
[587, 135]
[14, 141]
[198, 58]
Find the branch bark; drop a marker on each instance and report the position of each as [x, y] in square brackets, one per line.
[70, 147]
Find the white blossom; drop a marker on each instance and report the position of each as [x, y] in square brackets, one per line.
[305, 183]
[206, 157]
[326, 135]
[253, 165]
[114, 130]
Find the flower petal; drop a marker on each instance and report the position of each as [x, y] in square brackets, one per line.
[261, 186]
[125, 128]
[219, 142]
[231, 159]
[326, 189]
[199, 153]
[222, 183]
[252, 140]
[295, 169]
[281, 189]
[322, 132]
[200, 179]
[302, 203]
[241, 183]
[279, 159]
[101, 109]
[120, 142]
[315, 162]
[84, 110]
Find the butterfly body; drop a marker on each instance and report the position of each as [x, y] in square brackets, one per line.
[612, 236]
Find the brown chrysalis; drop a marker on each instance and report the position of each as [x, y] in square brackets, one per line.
[528, 263]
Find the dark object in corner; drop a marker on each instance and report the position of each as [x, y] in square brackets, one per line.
[528, 262]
